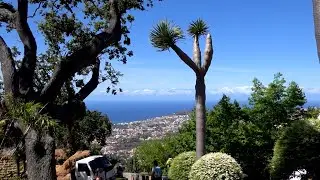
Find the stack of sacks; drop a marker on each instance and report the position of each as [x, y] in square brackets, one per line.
[63, 171]
[60, 155]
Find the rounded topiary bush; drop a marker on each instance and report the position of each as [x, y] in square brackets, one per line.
[180, 166]
[216, 166]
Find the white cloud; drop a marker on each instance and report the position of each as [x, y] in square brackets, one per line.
[160, 92]
[312, 90]
[231, 90]
[244, 90]
[176, 91]
[142, 92]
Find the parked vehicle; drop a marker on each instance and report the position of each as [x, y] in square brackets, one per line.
[92, 167]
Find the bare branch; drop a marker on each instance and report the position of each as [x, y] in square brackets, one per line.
[186, 59]
[84, 56]
[196, 52]
[35, 11]
[7, 14]
[92, 84]
[7, 68]
[316, 18]
[208, 55]
[26, 72]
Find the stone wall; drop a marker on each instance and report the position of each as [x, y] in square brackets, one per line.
[7, 168]
[140, 176]
[135, 176]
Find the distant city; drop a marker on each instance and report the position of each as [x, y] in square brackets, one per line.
[126, 136]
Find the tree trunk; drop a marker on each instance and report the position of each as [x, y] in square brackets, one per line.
[71, 143]
[40, 156]
[200, 115]
[316, 20]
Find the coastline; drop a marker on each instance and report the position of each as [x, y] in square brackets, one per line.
[127, 136]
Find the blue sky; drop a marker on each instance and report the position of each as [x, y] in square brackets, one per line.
[251, 39]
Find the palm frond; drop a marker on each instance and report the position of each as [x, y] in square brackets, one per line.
[165, 34]
[198, 28]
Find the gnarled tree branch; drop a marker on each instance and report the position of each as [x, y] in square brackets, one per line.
[7, 6]
[26, 71]
[8, 68]
[86, 90]
[186, 59]
[84, 56]
[7, 14]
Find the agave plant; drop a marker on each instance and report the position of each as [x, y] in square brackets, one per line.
[164, 36]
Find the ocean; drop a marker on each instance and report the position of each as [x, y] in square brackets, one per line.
[128, 111]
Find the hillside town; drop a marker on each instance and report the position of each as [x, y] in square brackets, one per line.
[126, 136]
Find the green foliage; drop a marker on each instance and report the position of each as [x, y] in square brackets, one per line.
[246, 133]
[165, 34]
[95, 148]
[272, 105]
[218, 166]
[312, 113]
[29, 113]
[181, 165]
[67, 26]
[198, 28]
[149, 151]
[297, 148]
[229, 129]
[93, 126]
[169, 161]
[2, 131]
[132, 165]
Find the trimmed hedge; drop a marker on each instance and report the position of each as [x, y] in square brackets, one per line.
[217, 166]
[181, 165]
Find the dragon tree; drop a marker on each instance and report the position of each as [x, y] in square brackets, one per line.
[164, 36]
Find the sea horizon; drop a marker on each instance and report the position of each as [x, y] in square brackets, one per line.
[138, 110]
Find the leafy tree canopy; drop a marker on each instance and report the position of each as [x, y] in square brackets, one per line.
[93, 126]
[70, 27]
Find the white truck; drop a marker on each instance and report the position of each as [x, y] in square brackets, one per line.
[92, 167]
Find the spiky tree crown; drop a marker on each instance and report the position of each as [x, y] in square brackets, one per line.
[198, 28]
[165, 34]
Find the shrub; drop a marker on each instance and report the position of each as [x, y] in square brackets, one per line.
[217, 166]
[95, 148]
[181, 165]
[169, 161]
[297, 148]
[151, 150]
